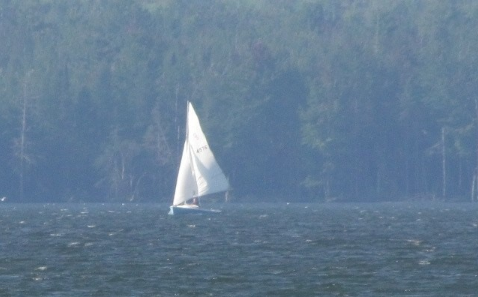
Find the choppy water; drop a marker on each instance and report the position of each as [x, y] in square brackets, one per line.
[248, 250]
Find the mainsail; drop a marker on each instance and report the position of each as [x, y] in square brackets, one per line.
[199, 174]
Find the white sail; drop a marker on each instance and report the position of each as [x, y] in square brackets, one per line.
[186, 187]
[199, 174]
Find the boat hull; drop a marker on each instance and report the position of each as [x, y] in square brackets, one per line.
[178, 210]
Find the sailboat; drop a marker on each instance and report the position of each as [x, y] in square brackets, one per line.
[199, 174]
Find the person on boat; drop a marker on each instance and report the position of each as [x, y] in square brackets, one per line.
[195, 201]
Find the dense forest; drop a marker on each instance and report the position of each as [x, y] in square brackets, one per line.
[307, 100]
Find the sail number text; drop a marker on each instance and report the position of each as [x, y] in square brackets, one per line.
[201, 149]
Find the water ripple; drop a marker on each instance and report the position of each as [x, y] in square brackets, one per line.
[248, 250]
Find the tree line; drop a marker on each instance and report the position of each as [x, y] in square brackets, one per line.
[317, 100]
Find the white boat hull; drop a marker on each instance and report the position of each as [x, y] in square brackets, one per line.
[184, 210]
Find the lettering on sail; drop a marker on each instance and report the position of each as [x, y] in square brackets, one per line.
[195, 136]
[201, 149]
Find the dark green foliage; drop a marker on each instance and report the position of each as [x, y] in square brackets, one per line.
[301, 100]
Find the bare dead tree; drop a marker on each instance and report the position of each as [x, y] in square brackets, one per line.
[21, 143]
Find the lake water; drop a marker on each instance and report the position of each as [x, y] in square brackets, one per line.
[248, 250]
